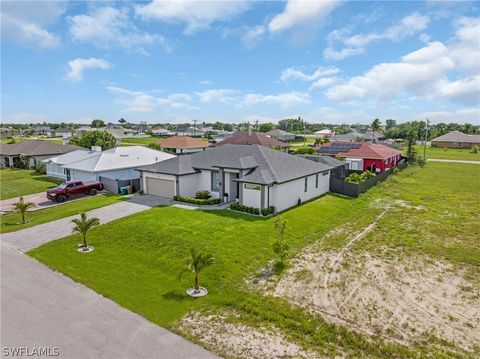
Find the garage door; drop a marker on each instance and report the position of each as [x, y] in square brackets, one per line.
[160, 187]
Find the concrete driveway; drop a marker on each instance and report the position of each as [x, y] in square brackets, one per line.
[40, 199]
[41, 308]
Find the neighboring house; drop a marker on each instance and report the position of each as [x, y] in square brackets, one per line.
[183, 144]
[456, 139]
[355, 136]
[44, 131]
[54, 165]
[190, 131]
[6, 131]
[63, 132]
[324, 133]
[35, 151]
[339, 170]
[117, 163]
[255, 175]
[161, 132]
[363, 156]
[253, 138]
[281, 135]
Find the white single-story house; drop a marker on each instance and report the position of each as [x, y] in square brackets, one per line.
[117, 163]
[253, 175]
[54, 165]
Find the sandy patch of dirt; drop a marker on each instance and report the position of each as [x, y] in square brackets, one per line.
[398, 299]
[238, 340]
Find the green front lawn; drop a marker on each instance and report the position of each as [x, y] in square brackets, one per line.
[16, 182]
[137, 259]
[10, 222]
[449, 153]
[140, 141]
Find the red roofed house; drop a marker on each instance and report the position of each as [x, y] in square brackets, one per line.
[182, 144]
[372, 157]
[363, 156]
[253, 138]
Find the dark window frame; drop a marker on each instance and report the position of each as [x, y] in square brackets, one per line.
[306, 185]
[213, 173]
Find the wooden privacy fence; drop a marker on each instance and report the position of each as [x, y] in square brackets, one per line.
[355, 189]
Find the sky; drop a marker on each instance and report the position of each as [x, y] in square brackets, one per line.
[236, 61]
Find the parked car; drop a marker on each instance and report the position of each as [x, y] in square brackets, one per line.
[73, 188]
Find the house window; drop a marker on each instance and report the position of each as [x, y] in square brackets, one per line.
[215, 185]
[316, 180]
[255, 187]
[306, 184]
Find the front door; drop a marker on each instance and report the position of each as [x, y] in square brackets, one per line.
[67, 174]
[234, 187]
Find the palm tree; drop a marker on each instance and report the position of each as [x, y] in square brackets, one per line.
[22, 207]
[375, 127]
[195, 263]
[83, 225]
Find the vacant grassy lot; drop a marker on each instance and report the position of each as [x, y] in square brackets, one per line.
[10, 221]
[140, 141]
[449, 153]
[136, 260]
[15, 182]
[57, 140]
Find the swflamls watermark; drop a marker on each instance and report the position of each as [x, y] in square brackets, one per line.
[30, 351]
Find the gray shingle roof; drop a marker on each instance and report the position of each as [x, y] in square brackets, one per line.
[36, 148]
[457, 136]
[327, 160]
[266, 166]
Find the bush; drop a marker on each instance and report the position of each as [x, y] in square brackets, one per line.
[203, 194]
[241, 208]
[268, 211]
[474, 149]
[41, 169]
[359, 177]
[154, 146]
[200, 202]
[305, 151]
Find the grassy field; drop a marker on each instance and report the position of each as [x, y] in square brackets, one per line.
[140, 141]
[137, 259]
[10, 221]
[57, 140]
[16, 182]
[449, 153]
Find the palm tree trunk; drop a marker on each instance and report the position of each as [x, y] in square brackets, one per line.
[85, 247]
[23, 217]
[196, 287]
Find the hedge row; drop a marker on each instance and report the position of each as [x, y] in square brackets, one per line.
[252, 210]
[200, 202]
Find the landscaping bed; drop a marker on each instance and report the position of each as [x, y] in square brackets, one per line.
[198, 201]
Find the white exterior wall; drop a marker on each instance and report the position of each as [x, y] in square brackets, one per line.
[55, 170]
[188, 150]
[205, 182]
[143, 182]
[189, 184]
[84, 176]
[286, 195]
[124, 174]
[251, 197]
[355, 163]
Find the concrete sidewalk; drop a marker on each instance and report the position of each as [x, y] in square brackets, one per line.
[43, 308]
[453, 161]
[32, 237]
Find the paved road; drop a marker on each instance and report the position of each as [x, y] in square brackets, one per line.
[43, 308]
[33, 237]
[453, 161]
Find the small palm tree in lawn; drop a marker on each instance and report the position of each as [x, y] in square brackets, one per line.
[22, 207]
[83, 225]
[375, 127]
[195, 263]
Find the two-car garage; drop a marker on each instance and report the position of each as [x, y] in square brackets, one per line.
[159, 185]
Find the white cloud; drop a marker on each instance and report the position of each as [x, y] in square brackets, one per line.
[424, 37]
[252, 36]
[470, 115]
[108, 27]
[143, 102]
[295, 74]
[301, 13]
[27, 22]
[355, 45]
[196, 15]
[220, 95]
[465, 46]
[24, 117]
[325, 82]
[78, 66]
[287, 99]
[205, 82]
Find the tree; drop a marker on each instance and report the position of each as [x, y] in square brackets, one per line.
[280, 247]
[98, 123]
[196, 263]
[375, 127]
[122, 120]
[22, 207]
[265, 127]
[83, 225]
[95, 138]
[411, 150]
[390, 123]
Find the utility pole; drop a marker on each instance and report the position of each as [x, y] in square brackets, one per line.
[256, 125]
[425, 141]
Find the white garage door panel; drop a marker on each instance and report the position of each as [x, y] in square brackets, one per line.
[160, 187]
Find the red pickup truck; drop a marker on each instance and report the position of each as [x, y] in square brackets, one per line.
[73, 188]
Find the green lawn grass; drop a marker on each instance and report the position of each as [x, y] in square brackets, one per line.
[57, 140]
[140, 141]
[10, 222]
[137, 259]
[16, 182]
[449, 153]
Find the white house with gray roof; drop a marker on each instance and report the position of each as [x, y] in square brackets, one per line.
[253, 175]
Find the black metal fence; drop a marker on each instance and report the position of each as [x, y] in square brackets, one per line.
[113, 185]
[355, 189]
